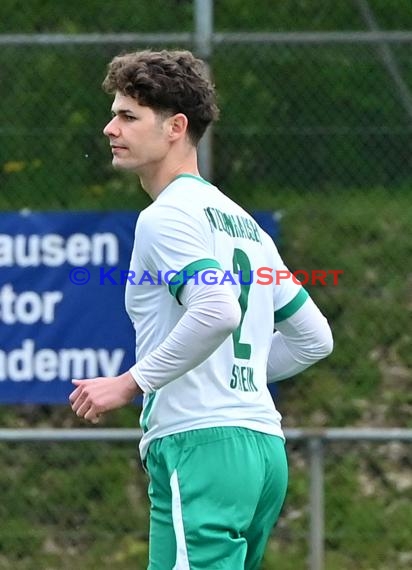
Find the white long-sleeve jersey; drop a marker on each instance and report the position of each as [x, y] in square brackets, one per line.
[203, 298]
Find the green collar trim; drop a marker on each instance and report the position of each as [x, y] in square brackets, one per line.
[198, 178]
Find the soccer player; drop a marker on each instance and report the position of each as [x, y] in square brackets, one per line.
[204, 319]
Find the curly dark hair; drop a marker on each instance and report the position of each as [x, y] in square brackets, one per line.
[168, 82]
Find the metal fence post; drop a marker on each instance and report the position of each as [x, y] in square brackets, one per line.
[316, 501]
[203, 17]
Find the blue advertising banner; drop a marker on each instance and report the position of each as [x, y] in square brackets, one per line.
[60, 318]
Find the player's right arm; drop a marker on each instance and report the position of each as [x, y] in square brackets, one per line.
[300, 340]
[303, 336]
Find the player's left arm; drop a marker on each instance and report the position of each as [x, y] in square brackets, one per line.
[177, 239]
[301, 339]
[93, 397]
[212, 314]
[174, 239]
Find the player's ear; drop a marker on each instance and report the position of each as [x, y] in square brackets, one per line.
[177, 126]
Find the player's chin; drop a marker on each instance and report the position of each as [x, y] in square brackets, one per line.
[122, 164]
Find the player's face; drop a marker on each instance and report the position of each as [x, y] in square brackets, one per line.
[137, 135]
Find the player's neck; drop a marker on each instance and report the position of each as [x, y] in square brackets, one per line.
[157, 179]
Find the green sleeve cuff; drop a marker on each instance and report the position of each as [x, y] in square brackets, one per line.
[293, 306]
[189, 271]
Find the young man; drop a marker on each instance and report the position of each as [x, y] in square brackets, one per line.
[205, 348]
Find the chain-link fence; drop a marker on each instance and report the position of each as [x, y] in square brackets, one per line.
[316, 123]
[84, 504]
[309, 117]
[317, 114]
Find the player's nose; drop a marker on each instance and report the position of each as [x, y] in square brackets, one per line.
[111, 129]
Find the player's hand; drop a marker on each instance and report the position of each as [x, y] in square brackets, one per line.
[93, 397]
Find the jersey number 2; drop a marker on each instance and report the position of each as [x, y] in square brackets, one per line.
[241, 264]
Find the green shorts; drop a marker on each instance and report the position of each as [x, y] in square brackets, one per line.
[215, 495]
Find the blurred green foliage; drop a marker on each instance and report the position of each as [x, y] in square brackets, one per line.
[309, 117]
